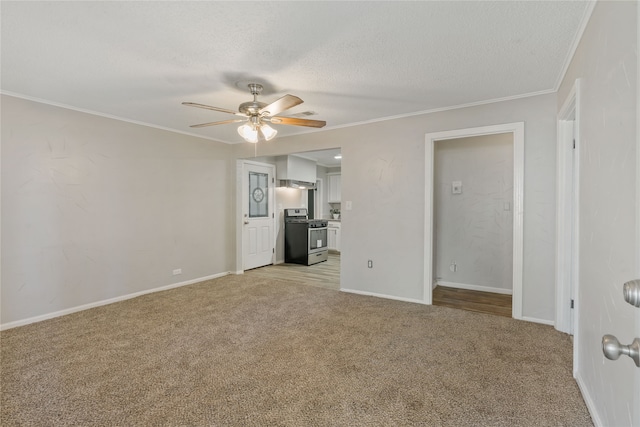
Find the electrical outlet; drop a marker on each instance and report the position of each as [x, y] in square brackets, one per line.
[177, 271]
[370, 263]
[453, 267]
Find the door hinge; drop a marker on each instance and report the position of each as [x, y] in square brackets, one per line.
[273, 214]
[571, 303]
[273, 250]
[273, 180]
[574, 144]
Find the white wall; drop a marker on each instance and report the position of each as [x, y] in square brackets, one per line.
[606, 63]
[95, 209]
[472, 228]
[383, 177]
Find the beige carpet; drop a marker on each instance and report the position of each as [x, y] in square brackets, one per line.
[237, 351]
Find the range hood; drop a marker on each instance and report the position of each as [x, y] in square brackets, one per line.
[301, 185]
[296, 172]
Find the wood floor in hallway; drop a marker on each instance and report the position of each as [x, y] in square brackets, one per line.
[483, 302]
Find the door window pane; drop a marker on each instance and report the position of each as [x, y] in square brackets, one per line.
[258, 191]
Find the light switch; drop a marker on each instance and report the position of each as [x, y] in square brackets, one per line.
[456, 187]
[347, 205]
[506, 206]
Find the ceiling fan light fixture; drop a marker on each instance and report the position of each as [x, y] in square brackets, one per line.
[248, 132]
[268, 132]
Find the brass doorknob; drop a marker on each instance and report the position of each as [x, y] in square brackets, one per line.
[612, 349]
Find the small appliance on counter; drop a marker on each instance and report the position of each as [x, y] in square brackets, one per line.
[305, 240]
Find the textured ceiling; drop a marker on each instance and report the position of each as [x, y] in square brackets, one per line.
[351, 62]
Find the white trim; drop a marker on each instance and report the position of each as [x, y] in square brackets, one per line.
[0, 228]
[588, 400]
[636, 409]
[373, 294]
[105, 115]
[567, 194]
[83, 307]
[517, 129]
[302, 131]
[536, 320]
[586, 16]
[441, 109]
[238, 216]
[474, 287]
[429, 241]
[568, 273]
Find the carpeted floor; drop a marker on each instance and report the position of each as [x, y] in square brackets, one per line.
[237, 351]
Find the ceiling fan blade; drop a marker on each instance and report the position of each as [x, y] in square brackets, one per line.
[201, 125]
[298, 122]
[281, 104]
[209, 107]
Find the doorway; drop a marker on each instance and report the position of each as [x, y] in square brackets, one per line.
[567, 213]
[327, 160]
[473, 223]
[517, 132]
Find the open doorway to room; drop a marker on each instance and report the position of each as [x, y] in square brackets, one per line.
[436, 265]
[473, 223]
[320, 203]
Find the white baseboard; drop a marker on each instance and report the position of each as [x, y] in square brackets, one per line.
[71, 310]
[588, 400]
[536, 320]
[474, 287]
[373, 294]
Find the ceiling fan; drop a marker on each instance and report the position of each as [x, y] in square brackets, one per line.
[257, 115]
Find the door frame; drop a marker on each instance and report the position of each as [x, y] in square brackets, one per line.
[517, 129]
[567, 216]
[240, 164]
[637, 383]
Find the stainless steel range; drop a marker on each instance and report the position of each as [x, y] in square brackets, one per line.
[305, 240]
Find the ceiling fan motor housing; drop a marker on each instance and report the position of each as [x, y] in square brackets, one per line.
[251, 108]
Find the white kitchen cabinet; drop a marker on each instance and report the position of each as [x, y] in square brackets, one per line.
[333, 236]
[335, 184]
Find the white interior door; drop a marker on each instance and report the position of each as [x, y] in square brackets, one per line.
[258, 226]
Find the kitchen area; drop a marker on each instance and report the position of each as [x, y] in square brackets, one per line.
[308, 217]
